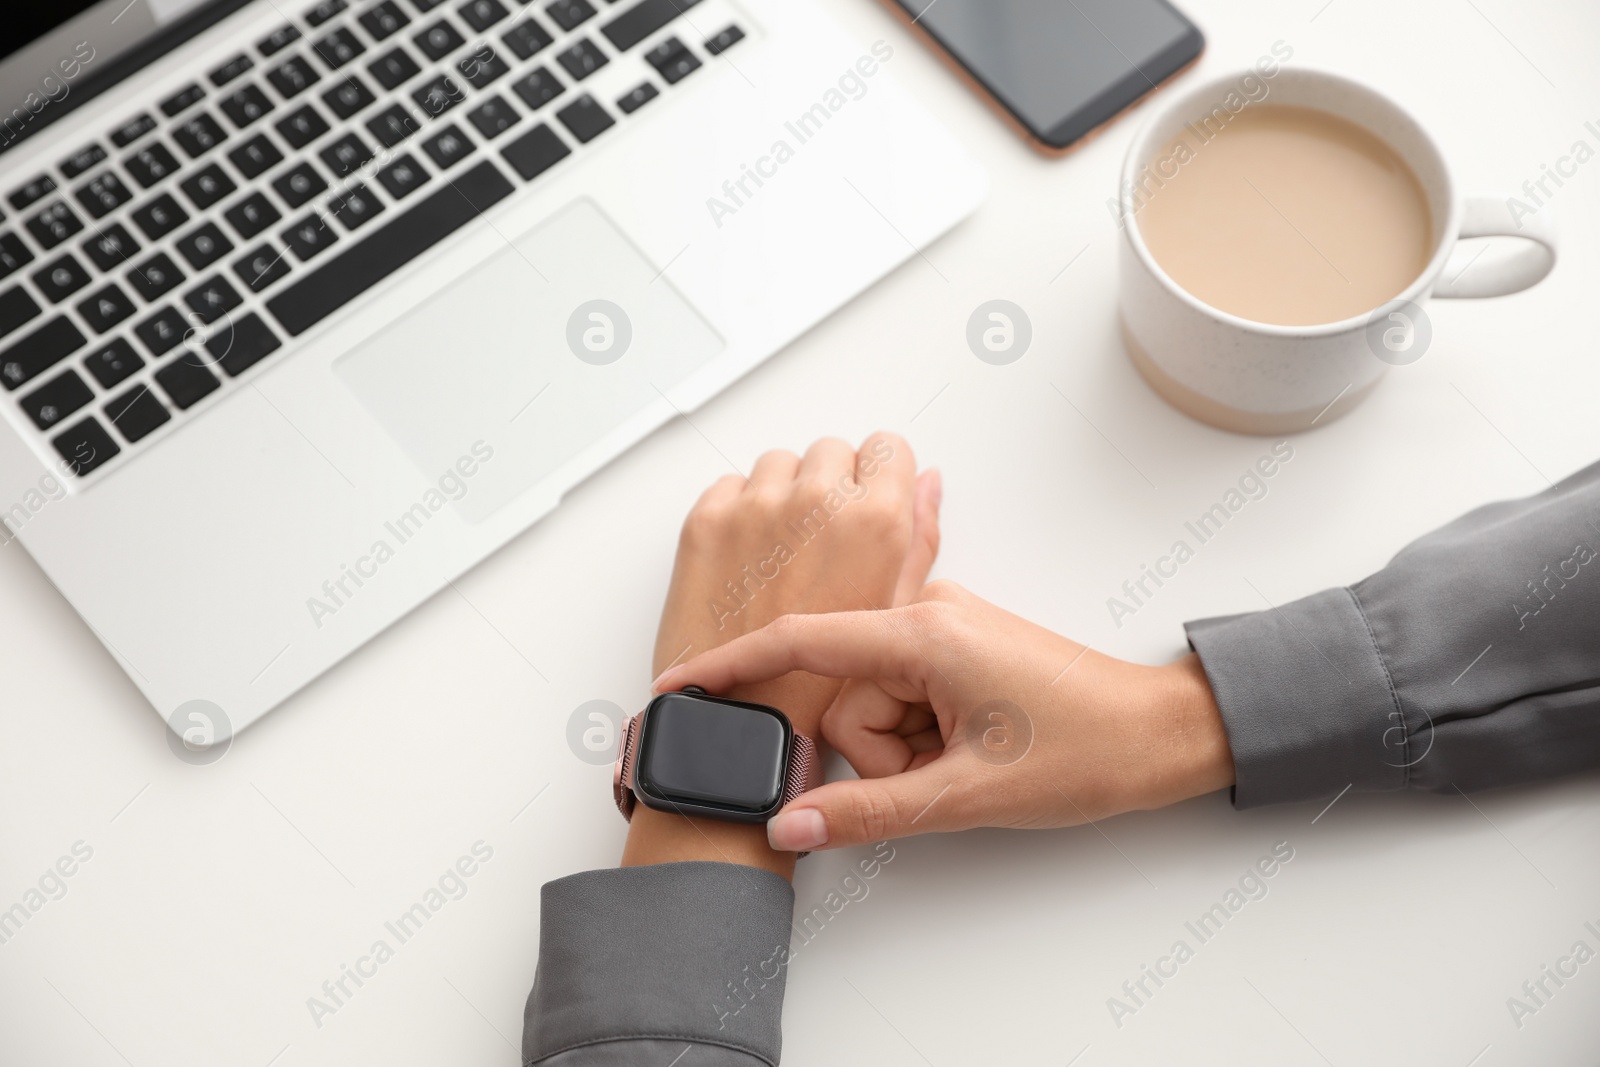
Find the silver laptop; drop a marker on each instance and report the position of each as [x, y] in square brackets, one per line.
[306, 310]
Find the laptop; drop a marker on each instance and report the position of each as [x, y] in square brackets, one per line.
[305, 310]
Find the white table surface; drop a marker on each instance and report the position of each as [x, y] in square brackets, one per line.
[218, 899]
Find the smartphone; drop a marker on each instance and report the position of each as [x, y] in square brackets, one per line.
[1058, 70]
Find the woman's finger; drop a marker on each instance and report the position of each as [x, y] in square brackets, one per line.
[829, 462]
[918, 717]
[774, 470]
[879, 645]
[885, 463]
[871, 809]
[924, 548]
[863, 724]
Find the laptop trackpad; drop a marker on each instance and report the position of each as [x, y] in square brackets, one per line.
[541, 352]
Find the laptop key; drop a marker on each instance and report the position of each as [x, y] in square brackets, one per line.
[582, 59]
[154, 276]
[338, 48]
[439, 95]
[324, 11]
[161, 332]
[481, 14]
[393, 68]
[204, 245]
[16, 308]
[53, 225]
[132, 130]
[207, 186]
[346, 155]
[255, 157]
[277, 40]
[60, 278]
[242, 343]
[181, 100]
[39, 351]
[246, 105]
[212, 299]
[259, 268]
[536, 152]
[672, 60]
[538, 88]
[298, 185]
[348, 97]
[425, 6]
[85, 447]
[391, 126]
[637, 97]
[232, 69]
[302, 127]
[103, 194]
[251, 215]
[585, 118]
[111, 246]
[186, 381]
[482, 67]
[384, 20]
[323, 291]
[13, 253]
[493, 117]
[292, 77]
[31, 193]
[56, 399]
[439, 40]
[527, 38]
[159, 216]
[570, 14]
[642, 20]
[355, 207]
[448, 147]
[137, 413]
[151, 164]
[80, 161]
[724, 40]
[112, 363]
[309, 236]
[199, 135]
[403, 177]
[105, 308]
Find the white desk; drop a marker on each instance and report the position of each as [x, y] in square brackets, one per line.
[218, 899]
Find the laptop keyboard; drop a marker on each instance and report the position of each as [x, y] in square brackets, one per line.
[214, 225]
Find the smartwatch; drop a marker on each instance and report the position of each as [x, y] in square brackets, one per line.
[697, 754]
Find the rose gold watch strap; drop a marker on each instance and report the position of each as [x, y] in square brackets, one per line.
[805, 769]
[804, 772]
[622, 776]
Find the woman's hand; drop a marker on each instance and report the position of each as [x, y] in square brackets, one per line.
[958, 714]
[835, 530]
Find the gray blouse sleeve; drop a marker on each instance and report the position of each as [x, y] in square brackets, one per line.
[1471, 661]
[638, 965]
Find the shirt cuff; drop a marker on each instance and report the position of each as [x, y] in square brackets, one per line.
[688, 952]
[1306, 699]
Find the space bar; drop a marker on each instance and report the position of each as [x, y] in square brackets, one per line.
[345, 277]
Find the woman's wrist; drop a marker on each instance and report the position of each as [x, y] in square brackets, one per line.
[1192, 750]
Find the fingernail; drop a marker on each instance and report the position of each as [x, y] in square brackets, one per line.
[936, 489]
[655, 686]
[797, 831]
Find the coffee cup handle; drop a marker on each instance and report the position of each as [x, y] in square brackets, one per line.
[1500, 275]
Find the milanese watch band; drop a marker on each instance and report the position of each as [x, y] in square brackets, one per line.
[804, 772]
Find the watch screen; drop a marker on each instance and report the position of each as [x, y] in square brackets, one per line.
[703, 752]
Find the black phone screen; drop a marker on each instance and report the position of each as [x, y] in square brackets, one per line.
[1062, 67]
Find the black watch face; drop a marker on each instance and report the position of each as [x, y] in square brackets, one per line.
[706, 752]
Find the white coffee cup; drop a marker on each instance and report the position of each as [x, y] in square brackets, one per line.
[1254, 377]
